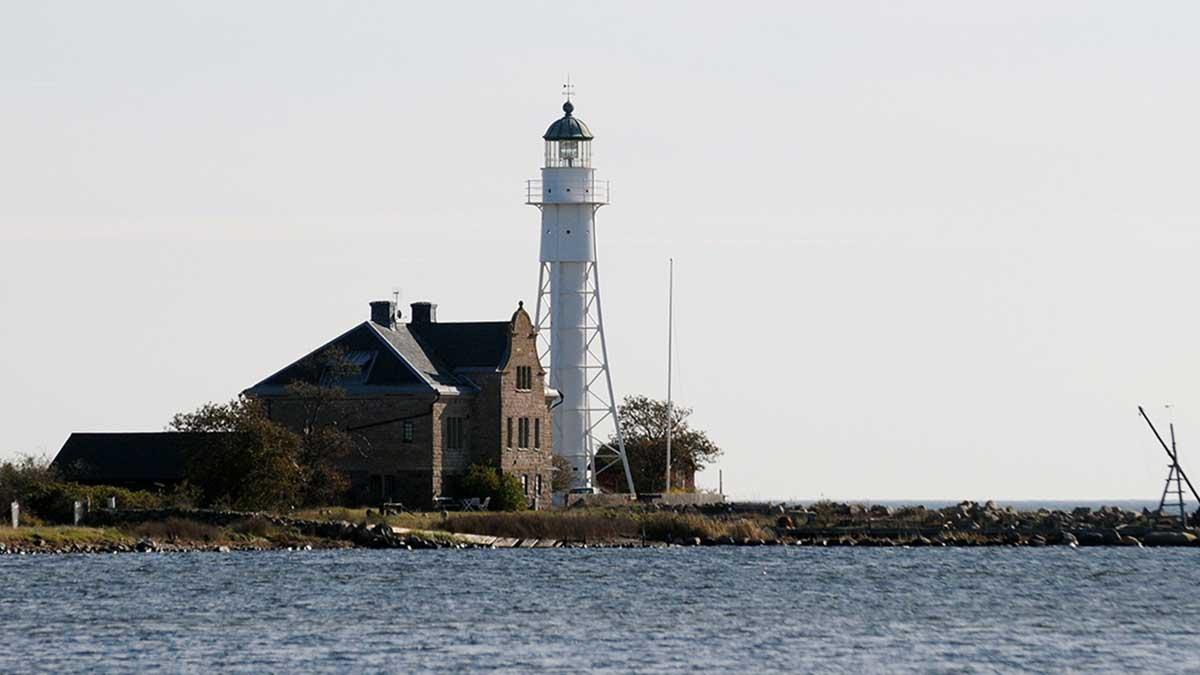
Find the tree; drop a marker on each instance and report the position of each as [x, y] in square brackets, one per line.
[644, 425]
[563, 476]
[21, 478]
[249, 462]
[323, 441]
[253, 462]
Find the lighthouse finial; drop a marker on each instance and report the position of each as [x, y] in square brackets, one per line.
[568, 91]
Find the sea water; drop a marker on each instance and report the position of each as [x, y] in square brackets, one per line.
[615, 610]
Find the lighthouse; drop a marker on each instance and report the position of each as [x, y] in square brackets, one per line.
[569, 319]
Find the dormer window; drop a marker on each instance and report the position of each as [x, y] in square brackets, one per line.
[524, 378]
[353, 368]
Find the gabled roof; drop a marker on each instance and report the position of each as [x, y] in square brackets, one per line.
[409, 358]
[122, 458]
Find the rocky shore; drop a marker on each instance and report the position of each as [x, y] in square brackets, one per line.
[973, 524]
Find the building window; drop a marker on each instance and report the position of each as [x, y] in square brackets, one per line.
[524, 378]
[510, 438]
[539, 484]
[454, 433]
[525, 484]
[523, 432]
[406, 431]
[537, 435]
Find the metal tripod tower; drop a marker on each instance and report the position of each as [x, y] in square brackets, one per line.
[1175, 476]
[569, 320]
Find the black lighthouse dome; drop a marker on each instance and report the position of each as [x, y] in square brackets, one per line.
[568, 128]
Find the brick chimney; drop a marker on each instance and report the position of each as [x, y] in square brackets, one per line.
[383, 312]
[424, 312]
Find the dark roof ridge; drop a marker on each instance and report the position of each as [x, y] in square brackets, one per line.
[318, 350]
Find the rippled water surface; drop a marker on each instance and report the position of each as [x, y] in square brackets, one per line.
[709, 609]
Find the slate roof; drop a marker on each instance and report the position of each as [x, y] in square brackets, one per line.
[568, 127]
[129, 458]
[409, 358]
[480, 344]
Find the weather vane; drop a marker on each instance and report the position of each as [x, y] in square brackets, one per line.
[568, 89]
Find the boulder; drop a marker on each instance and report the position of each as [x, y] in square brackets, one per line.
[1169, 539]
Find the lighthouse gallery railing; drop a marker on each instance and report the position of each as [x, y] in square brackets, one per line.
[581, 192]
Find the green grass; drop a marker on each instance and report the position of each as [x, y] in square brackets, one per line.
[60, 536]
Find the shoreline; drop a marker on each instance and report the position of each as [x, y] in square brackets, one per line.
[823, 524]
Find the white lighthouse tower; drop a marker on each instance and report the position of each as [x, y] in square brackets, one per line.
[569, 317]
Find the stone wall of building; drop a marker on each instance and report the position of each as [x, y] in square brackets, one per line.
[385, 467]
[532, 464]
[449, 463]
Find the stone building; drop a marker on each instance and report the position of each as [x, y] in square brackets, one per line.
[424, 400]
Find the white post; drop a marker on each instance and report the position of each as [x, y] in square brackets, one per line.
[78, 512]
[670, 340]
[16, 515]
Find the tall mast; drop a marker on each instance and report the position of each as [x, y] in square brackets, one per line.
[670, 342]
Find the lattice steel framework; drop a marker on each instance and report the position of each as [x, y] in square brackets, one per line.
[599, 402]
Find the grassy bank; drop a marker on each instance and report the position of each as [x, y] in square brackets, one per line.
[171, 534]
[577, 525]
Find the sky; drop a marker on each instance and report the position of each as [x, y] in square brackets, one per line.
[922, 249]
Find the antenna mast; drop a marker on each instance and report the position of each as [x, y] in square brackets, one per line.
[670, 341]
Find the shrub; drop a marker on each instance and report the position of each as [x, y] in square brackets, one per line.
[255, 527]
[480, 481]
[55, 501]
[510, 496]
[177, 529]
[504, 490]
